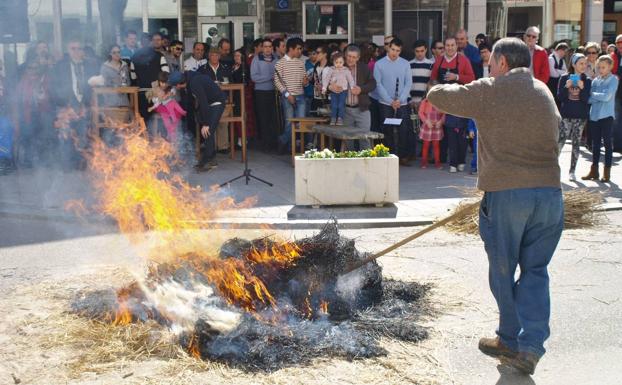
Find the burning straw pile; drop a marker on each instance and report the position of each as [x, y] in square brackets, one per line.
[302, 310]
[258, 304]
[580, 211]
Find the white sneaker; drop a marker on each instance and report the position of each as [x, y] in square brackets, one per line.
[572, 176]
[461, 167]
[452, 169]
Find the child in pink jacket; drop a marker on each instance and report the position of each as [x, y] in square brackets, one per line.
[432, 121]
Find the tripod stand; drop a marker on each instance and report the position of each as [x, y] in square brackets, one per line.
[247, 173]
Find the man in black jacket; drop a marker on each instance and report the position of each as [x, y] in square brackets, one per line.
[146, 65]
[210, 102]
[71, 95]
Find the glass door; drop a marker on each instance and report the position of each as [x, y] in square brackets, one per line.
[239, 30]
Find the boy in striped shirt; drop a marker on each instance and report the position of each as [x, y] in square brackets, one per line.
[421, 68]
[290, 77]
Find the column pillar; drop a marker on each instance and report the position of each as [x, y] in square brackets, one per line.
[388, 17]
[476, 22]
[593, 15]
[57, 23]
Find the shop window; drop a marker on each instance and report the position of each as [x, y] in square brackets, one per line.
[227, 8]
[567, 16]
[327, 20]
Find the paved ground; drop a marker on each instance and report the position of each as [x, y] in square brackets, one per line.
[585, 345]
[41, 244]
[425, 194]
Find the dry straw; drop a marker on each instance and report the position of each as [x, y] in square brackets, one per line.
[580, 211]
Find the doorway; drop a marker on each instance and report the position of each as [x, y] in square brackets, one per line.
[410, 26]
[241, 31]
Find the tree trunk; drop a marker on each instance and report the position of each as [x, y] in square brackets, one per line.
[453, 17]
[111, 15]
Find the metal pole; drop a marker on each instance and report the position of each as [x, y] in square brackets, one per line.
[57, 21]
[145, 12]
[388, 17]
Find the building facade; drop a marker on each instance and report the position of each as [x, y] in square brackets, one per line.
[54, 21]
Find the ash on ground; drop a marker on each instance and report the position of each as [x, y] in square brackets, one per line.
[319, 311]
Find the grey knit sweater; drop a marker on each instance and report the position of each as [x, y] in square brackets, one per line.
[517, 123]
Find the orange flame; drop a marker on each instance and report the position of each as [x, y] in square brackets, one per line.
[324, 307]
[193, 347]
[138, 188]
[123, 314]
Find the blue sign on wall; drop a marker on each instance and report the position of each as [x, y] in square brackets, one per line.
[282, 4]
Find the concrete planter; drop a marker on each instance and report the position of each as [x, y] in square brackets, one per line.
[347, 181]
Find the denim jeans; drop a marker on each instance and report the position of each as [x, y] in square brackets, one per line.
[474, 159]
[521, 227]
[457, 146]
[289, 111]
[338, 104]
[601, 133]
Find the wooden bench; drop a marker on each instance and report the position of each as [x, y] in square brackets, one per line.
[344, 133]
[302, 126]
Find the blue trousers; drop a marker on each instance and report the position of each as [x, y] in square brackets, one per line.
[474, 159]
[521, 227]
[338, 104]
[291, 111]
[601, 133]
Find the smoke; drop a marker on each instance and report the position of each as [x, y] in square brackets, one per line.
[184, 304]
[349, 285]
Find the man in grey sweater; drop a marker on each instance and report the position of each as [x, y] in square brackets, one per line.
[521, 214]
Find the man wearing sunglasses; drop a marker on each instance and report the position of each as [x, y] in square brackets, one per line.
[539, 65]
[173, 57]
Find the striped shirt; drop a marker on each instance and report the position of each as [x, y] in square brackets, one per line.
[288, 75]
[420, 71]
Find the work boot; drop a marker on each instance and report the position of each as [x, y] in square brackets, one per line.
[606, 174]
[593, 175]
[525, 362]
[493, 347]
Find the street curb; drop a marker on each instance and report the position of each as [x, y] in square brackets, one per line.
[251, 224]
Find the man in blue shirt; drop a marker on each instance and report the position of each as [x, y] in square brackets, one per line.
[470, 51]
[130, 46]
[393, 83]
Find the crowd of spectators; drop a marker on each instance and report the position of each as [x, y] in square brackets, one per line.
[362, 86]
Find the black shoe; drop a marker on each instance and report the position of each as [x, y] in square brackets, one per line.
[524, 362]
[206, 166]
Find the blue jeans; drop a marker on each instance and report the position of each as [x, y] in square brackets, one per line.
[289, 111]
[474, 159]
[601, 133]
[338, 104]
[521, 227]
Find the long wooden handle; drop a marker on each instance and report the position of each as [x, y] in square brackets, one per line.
[414, 236]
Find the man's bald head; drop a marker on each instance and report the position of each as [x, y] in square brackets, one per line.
[461, 39]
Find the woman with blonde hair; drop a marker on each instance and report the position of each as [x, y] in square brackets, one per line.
[592, 51]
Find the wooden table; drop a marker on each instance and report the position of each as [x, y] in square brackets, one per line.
[230, 88]
[302, 126]
[343, 133]
[100, 113]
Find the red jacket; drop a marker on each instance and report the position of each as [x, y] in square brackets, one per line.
[616, 63]
[541, 64]
[465, 71]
